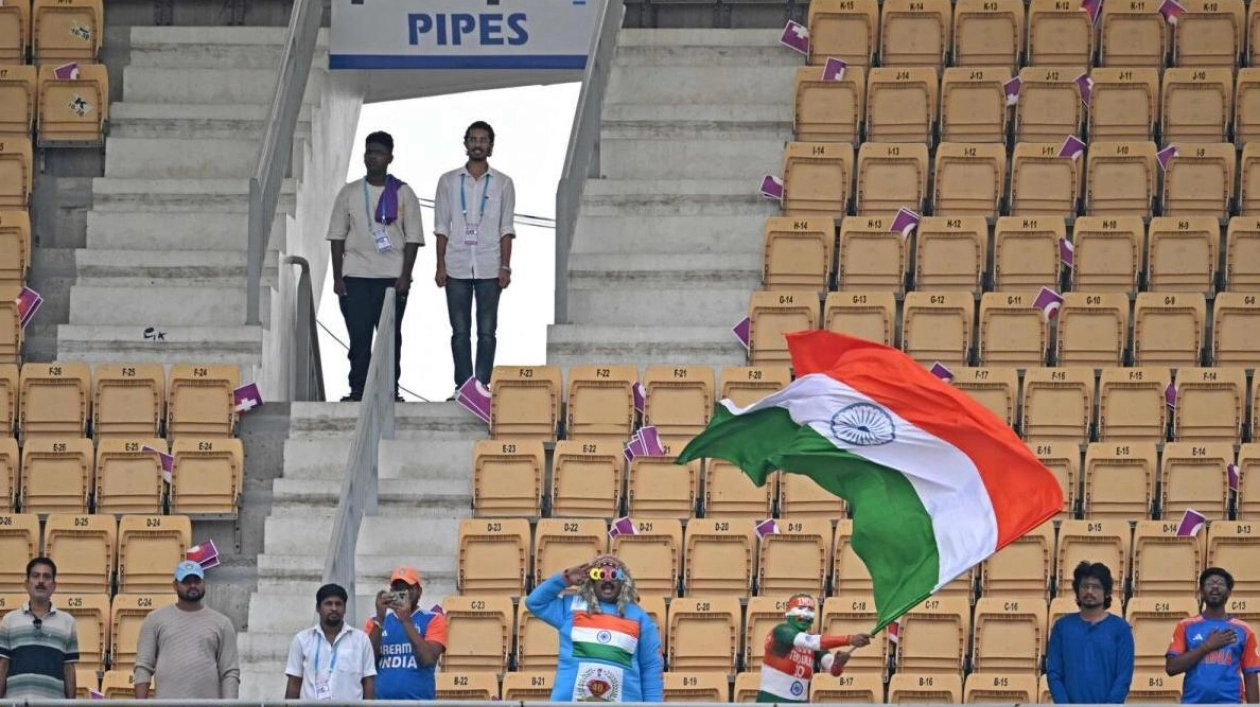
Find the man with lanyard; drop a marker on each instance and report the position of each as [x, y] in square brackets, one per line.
[407, 640]
[375, 232]
[473, 219]
[788, 663]
[332, 660]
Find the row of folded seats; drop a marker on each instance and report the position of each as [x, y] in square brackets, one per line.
[64, 105]
[980, 179]
[974, 105]
[725, 557]
[1010, 33]
[1014, 254]
[46, 31]
[117, 401]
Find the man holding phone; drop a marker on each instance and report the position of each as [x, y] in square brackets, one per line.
[407, 640]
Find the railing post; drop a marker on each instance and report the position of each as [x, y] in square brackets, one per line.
[253, 274]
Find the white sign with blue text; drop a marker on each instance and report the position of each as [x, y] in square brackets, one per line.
[462, 34]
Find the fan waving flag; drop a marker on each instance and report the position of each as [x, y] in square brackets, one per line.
[936, 482]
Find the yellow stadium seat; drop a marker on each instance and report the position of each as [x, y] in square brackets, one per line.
[1242, 255]
[704, 633]
[208, 477]
[525, 402]
[127, 613]
[655, 551]
[462, 685]
[15, 247]
[119, 684]
[479, 633]
[745, 688]
[1022, 568]
[84, 548]
[952, 252]
[1248, 504]
[1247, 105]
[855, 613]
[890, 176]
[1064, 459]
[719, 558]
[679, 400]
[796, 558]
[871, 257]
[1155, 687]
[201, 401]
[970, 180]
[773, 315]
[586, 479]
[995, 388]
[938, 327]
[1198, 104]
[537, 643]
[798, 253]
[10, 324]
[1050, 106]
[843, 28]
[1165, 564]
[1211, 403]
[849, 575]
[1233, 544]
[1012, 331]
[991, 687]
[706, 686]
[1132, 35]
[1249, 176]
[1124, 104]
[15, 31]
[1119, 479]
[1153, 620]
[54, 400]
[1169, 329]
[67, 30]
[1058, 404]
[129, 477]
[532, 686]
[17, 172]
[1182, 253]
[92, 623]
[858, 688]
[914, 33]
[601, 403]
[1107, 254]
[802, 497]
[1026, 253]
[10, 473]
[1106, 541]
[988, 33]
[85, 680]
[560, 543]
[829, 111]
[934, 637]
[57, 475]
[1193, 475]
[762, 615]
[1131, 404]
[973, 104]
[508, 477]
[866, 315]
[1009, 634]
[729, 493]
[1120, 179]
[659, 488]
[128, 400]
[9, 388]
[493, 556]
[745, 385]
[73, 111]
[1200, 35]
[817, 178]
[148, 548]
[1093, 329]
[1199, 179]
[19, 544]
[1042, 183]
[1236, 330]
[901, 104]
[18, 91]
[1059, 35]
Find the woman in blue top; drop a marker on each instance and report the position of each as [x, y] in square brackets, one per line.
[610, 649]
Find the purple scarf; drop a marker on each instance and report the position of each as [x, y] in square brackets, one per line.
[387, 206]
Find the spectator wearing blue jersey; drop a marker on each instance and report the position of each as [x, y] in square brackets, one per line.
[1090, 657]
[407, 640]
[1217, 653]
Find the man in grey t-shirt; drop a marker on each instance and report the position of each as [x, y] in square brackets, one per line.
[188, 648]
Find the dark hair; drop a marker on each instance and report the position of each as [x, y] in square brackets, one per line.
[53, 566]
[382, 138]
[331, 590]
[1095, 570]
[1217, 572]
[480, 125]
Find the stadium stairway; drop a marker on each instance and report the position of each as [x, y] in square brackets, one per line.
[424, 492]
[668, 239]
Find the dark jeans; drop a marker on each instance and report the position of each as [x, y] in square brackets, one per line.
[361, 308]
[459, 299]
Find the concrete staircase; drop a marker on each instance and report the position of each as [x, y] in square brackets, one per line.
[425, 489]
[668, 242]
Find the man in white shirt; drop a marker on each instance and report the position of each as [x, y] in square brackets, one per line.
[473, 220]
[332, 660]
[375, 232]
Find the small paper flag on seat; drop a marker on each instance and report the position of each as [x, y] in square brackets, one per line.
[1231, 474]
[651, 441]
[833, 70]
[95, 694]
[66, 72]
[940, 371]
[894, 632]
[1049, 302]
[1165, 155]
[1172, 11]
[796, 36]
[1191, 523]
[772, 187]
[622, 526]
[1170, 396]
[640, 397]
[1086, 84]
[1072, 148]
[904, 222]
[1067, 252]
[28, 303]
[1012, 91]
[765, 527]
[475, 398]
[204, 554]
[743, 330]
[168, 462]
[247, 397]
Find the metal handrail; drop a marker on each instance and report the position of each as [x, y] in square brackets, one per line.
[359, 487]
[275, 150]
[581, 161]
[306, 374]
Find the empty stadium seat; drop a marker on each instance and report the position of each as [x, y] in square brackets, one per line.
[1042, 183]
[891, 176]
[1242, 255]
[19, 543]
[466, 685]
[601, 403]
[1200, 35]
[745, 385]
[867, 315]
[952, 252]
[901, 104]
[1106, 541]
[127, 614]
[1153, 620]
[970, 180]
[706, 686]
[1119, 479]
[829, 111]
[525, 402]
[83, 546]
[719, 558]
[938, 327]
[1235, 330]
[537, 643]
[1169, 329]
[129, 477]
[655, 551]
[1124, 104]
[1197, 104]
[729, 493]
[871, 257]
[1233, 544]
[1199, 179]
[849, 575]
[10, 324]
[508, 477]
[973, 105]
[916, 687]
[66, 30]
[532, 686]
[15, 31]
[990, 687]
[586, 479]
[1182, 253]
[1120, 179]
[1210, 404]
[560, 543]
[802, 497]
[479, 633]
[1022, 568]
[796, 558]
[659, 488]
[148, 547]
[57, 475]
[704, 633]
[843, 28]
[679, 400]
[1009, 634]
[54, 400]
[1164, 563]
[17, 172]
[1012, 332]
[1063, 458]
[988, 33]
[208, 476]
[914, 33]
[995, 388]
[1050, 106]
[798, 254]
[933, 637]
[774, 314]
[1058, 404]
[10, 472]
[1247, 105]
[1059, 34]
[1093, 329]
[87, 680]
[1132, 404]
[92, 622]
[1248, 500]
[15, 247]
[1026, 253]
[1249, 179]
[18, 91]
[1107, 253]
[817, 178]
[851, 614]
[73, 111]
[128, 400]
[493, 556]
[9, 387]
[1155, 687]
[1132, 35]
[746, 685]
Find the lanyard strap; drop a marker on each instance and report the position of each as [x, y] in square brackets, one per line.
[319, 644]
[485, 196]
[367, 210]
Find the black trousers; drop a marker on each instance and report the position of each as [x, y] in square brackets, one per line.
[361, 308]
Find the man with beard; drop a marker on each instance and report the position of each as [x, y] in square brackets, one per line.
[1218, 653]
[331, 660]
[474, 214]
[791, 649]
[188, 648]
[39, 645]
[1090, 658]
[610, 648]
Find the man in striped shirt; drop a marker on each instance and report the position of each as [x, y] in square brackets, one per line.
[39, 646]
[788, 663]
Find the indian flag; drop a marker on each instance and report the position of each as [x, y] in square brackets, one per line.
[936, 482]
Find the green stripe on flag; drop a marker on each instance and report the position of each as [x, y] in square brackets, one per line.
[599, 651]
[892, 531]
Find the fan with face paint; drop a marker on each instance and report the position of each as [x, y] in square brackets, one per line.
[791, 652]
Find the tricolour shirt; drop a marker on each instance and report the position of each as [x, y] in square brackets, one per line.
[1217, 679]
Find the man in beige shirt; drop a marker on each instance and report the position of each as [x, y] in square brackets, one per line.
[188, 648]
[375, 233]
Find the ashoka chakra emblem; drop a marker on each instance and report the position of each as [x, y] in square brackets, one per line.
[863, 425]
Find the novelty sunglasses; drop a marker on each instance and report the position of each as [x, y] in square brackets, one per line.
[607, 574]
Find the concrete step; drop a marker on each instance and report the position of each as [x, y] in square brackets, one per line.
[196, 121]
[644, 198]
[697, 117]
[414, 421]
[436, 497]
[95, 344]
[142, 84]
[385, 536]
[704, 47]
[154, 230]
[162, 306]
[675, 290]
[664, 158]
[213, 268]
[588, 344]
[214, 47]
[705, 234]
[179, 158]
[181, 195]
[699, 84]
[286, 536]
[325, 458]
